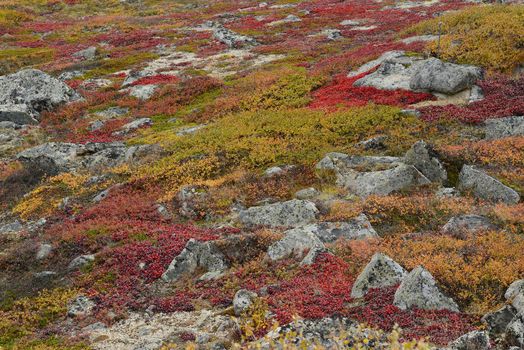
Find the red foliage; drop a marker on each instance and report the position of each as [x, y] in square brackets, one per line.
[503, 97]
[341, 92]
[157, 79]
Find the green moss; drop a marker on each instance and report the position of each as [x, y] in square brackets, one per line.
[12, 60]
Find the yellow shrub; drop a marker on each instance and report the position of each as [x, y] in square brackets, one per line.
[45, 199]
[489, 36]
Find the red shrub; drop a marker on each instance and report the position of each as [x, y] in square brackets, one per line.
[341, 92]
[157, 79]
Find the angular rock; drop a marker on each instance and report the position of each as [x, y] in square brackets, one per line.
[328, 232]
[475, 340]
[394, 73]
[371, 64]
[312, 255]
[195, 255]
[80, 306]
[504, 127]
[384, 182]
[515, 295]
[36, 90]
[294, 243]
[485, 187]
[81, 261]
[514, 333]
[380, 272]
[497, 321]
[425, 159]
[434, 75]
[20, 114]
[282, 214]
[242, 300]
[468, 223]
[419, 289]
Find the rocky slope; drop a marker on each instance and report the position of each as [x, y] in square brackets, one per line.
[310, 174]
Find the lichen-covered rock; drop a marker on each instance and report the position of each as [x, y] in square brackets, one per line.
[497, 321]
[434, 75]
[232, 39]
[80, 306]
[143, 92]
[20, 114]
[242, 300]
[504, 127]
[195, 255]
[485, 187]
[515, 295]
[32, 91]
[419, 289]
[134, 125]
[312, 255]
[514, 333]
[357, 228]
[468, 223]
[44, 250]
[475, 340]
[380, 272]
[382, 182]
[294, 243]
[425, 159]
[55, 157]
[86, 54]
[307, 193]
[282, 214]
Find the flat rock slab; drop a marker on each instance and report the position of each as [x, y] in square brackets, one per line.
[282, 214]
[504, 127]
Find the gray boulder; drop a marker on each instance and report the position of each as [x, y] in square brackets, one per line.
[425, 159]
[242, 300]
[497, 321]
[80, 306]
[515, 295]
[294, 243]
[35, 91]
[380, 272]
[81, 261]
[382, 182]
[434, 75]
[394, 73]
[20, 114]
[86, 54]
[282, 214]
[468, 223]
[475, 340]
[514, 334]
[307, 193]
[328, 232]
[419, 289]
[54, 157]
[504, 127]
[204, 255]
[485, 187]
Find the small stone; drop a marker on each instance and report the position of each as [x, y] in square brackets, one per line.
[242, 300]
[419, 289]
[44, 251]
[380, 272]
[81, 261]
[81, 306]
[307, 193]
